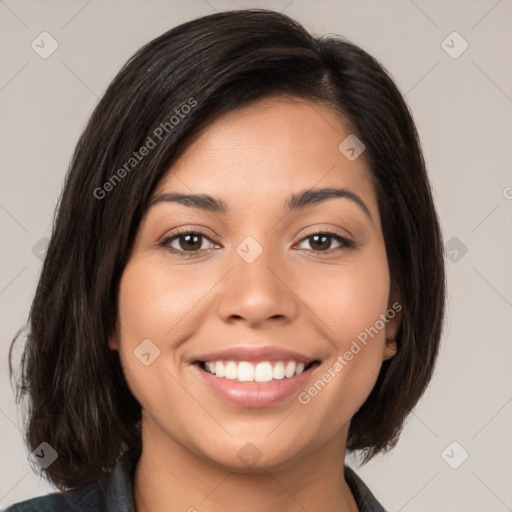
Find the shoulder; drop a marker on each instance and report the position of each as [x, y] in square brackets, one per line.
[365, 500]
[112, 492]
[88, 498]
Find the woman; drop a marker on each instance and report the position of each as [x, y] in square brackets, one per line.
[245, 279]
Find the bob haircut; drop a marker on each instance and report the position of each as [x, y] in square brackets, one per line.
[77, 397]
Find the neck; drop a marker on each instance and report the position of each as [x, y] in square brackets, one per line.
[171, 478]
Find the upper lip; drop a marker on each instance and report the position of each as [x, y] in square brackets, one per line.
[254, 355]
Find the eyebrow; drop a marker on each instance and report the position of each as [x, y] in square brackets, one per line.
[296, 201]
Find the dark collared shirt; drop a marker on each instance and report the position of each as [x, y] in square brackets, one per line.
[113, 492]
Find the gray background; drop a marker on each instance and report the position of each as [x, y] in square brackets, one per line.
[462, 107]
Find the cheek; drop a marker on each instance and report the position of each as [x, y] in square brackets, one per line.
[157, 305]
[350, 298]
[361, 301]
[149, 306]
[154, 301]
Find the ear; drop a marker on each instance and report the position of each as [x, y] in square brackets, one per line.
[394, 317]
[113, 340]
[389, 349]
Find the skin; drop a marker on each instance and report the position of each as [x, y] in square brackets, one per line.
[294, 295]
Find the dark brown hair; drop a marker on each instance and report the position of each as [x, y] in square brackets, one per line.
[77, 397]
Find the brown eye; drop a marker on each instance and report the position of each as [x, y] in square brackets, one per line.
[187, 242]
[322, 242]
[192, 242]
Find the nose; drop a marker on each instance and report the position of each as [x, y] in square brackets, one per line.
[258, 292]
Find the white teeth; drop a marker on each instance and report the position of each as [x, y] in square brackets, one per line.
[219, 369]
[264, 371]
[245, 372]
[278, 371]
[289, 371]
[231, 370]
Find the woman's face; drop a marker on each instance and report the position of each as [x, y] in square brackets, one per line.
[264, 291]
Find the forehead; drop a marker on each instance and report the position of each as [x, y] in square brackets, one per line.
[265, 152]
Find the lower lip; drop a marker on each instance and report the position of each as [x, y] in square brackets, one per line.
[254, 394]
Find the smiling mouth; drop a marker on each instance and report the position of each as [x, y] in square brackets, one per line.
[261, 372]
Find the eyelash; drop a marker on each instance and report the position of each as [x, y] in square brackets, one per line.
[345, 242]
